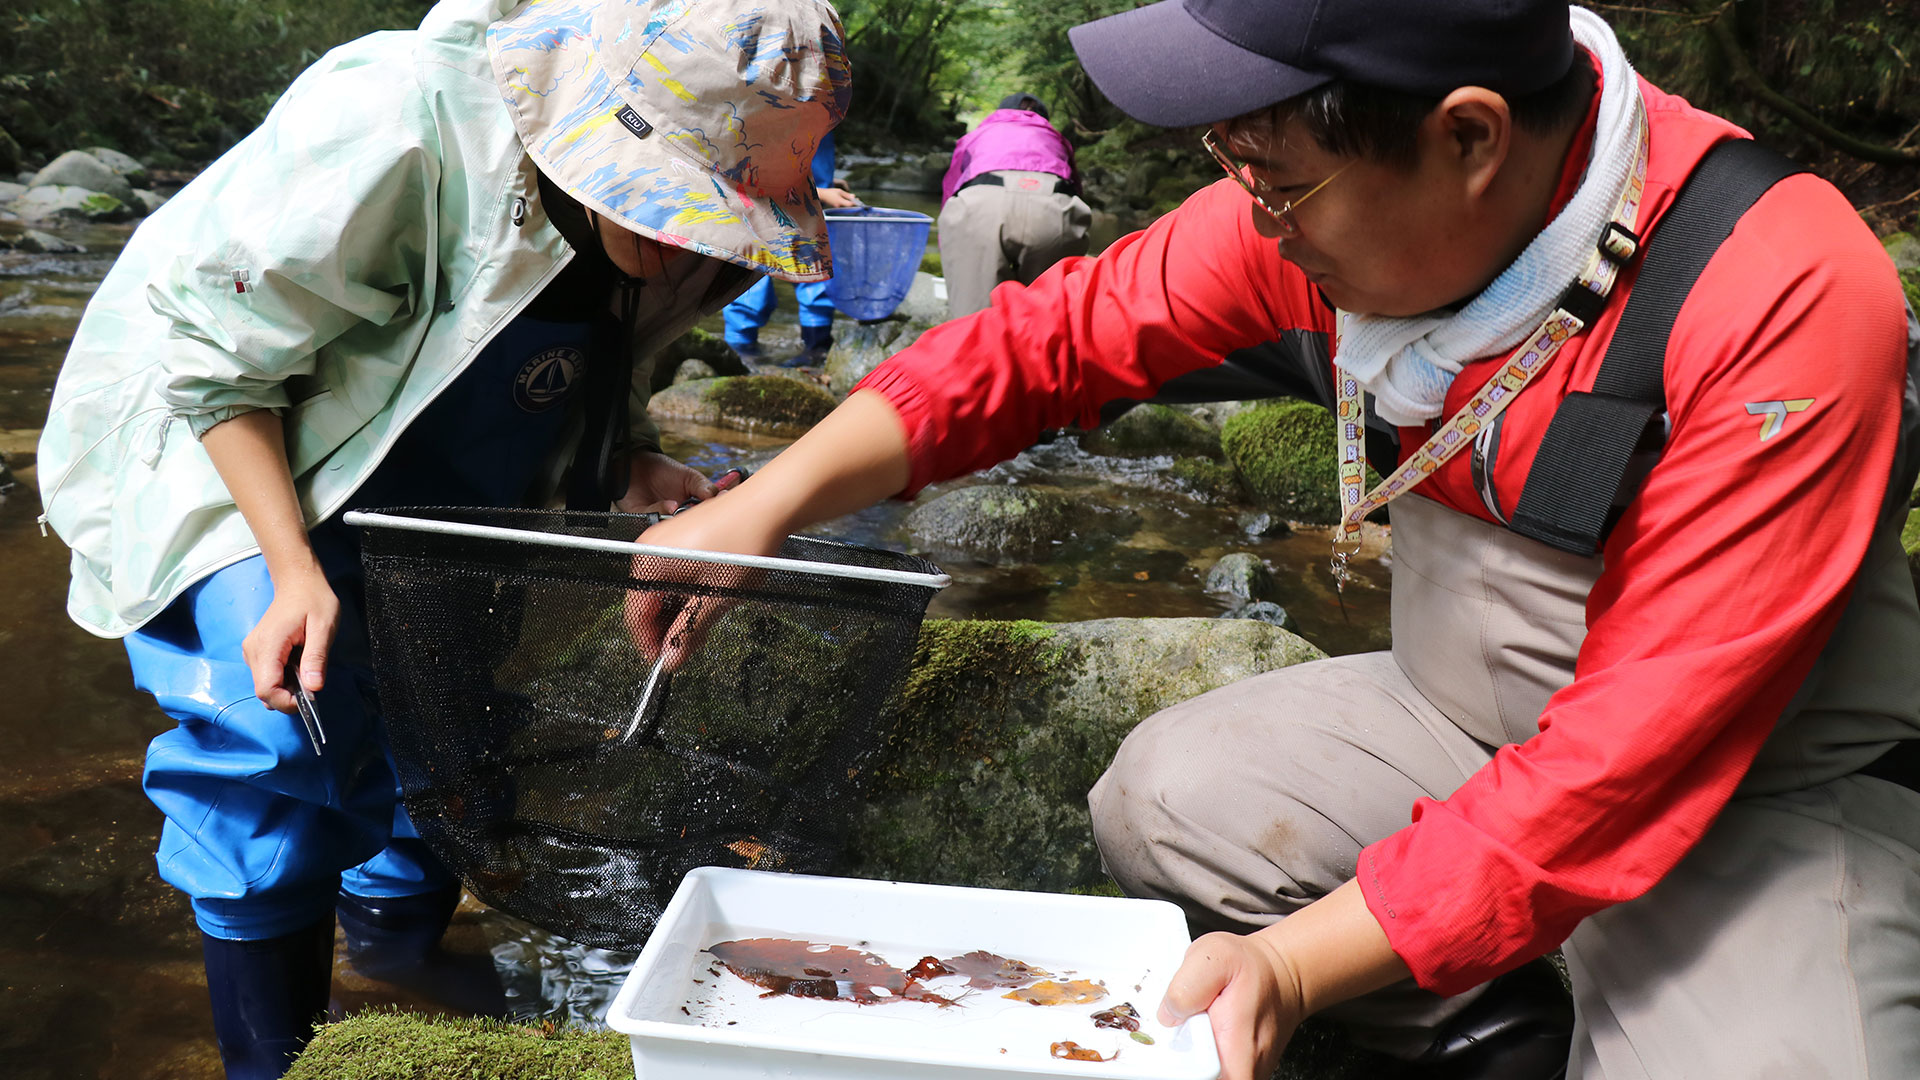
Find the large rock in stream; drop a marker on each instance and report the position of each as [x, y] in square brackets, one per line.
[859, 347]
[1285, 454]
[56, 202]
[77, 168]
[1003, 727]
[1153, 430]
[768, 404]
[1002, 525]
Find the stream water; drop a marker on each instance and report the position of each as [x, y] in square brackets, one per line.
[98, 958]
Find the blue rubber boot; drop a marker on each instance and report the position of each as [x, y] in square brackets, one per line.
[266, 996]
[396, 939]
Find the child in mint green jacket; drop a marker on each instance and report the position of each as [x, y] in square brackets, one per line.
[436, 274]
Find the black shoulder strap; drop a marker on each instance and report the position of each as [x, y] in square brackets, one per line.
[1582, 461]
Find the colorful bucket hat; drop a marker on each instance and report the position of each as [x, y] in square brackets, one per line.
[693, 122]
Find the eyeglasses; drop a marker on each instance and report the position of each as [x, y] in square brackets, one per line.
[1242, 174]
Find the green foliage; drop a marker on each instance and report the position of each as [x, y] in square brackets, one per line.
[400, 1046]
[910, 61]
[187, 77]
[1855, 63]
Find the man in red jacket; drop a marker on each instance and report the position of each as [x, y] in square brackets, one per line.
[1668, 758]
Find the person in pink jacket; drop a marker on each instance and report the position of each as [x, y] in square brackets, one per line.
[1010, 204]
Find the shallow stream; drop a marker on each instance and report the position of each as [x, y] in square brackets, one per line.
[99, 959]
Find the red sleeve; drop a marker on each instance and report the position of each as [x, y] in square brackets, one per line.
[1180, 295]
[1723, 582]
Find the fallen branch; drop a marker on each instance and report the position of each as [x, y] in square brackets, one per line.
[1748, 77]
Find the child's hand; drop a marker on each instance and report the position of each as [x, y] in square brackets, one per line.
[659, 625]
[657, 484]
[304, 612]
[834, 198]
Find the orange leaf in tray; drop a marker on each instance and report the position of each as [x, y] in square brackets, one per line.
[1073, 1051]
[1048, 992]
[749, 849]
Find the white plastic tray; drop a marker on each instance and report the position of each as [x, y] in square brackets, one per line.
[720, 1027]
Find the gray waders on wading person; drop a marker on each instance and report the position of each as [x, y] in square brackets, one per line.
[436, 276]
[1641, 397]
[1010, 204]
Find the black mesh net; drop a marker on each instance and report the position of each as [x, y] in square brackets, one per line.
[571, 780]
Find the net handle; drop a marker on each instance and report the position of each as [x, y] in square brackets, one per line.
[624, 547]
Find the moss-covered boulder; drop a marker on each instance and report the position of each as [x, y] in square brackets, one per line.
[709, 351]
[1904, 249]
[400, 1046]
[1285, 454]
[1910, 539]
[1003, 727]
[1207, 480]
[1151, 431]
[1002, 525]
[767, 404]
[56, 202]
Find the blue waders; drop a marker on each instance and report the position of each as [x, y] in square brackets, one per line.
[751, 309]
[266, 837]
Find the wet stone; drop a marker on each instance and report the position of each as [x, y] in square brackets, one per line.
[1001, 525]
[1244, 576]
[123, 165]
[1261, 524]
[1265, 611]
[858, 348]
[1151, 431]
[77, 168]
[35, 242]
[57, 201]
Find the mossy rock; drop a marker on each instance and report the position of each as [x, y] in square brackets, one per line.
[1910, 281]
[1003, 727]
[1001, 525]
[1153, 430]
[401, 1046]
[1207, 479]
[1903, 249]
[1285, 454]
[767, 404]
[1910, 539]
[710, 350]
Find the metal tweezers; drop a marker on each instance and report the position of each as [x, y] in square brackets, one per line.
[309, 716]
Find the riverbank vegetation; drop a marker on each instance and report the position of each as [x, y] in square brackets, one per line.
[1836, 83]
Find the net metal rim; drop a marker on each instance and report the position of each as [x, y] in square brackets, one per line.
[626, 547]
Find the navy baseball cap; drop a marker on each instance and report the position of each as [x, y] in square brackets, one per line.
[1178, 63]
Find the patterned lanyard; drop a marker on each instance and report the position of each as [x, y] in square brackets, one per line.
[1578, 307]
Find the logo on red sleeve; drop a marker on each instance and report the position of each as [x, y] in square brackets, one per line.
[1773, 414]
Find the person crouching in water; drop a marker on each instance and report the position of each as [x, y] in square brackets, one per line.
[435, 275]
[1010, 204]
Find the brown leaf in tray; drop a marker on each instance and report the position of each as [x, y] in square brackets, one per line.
[986, 971]
[1048, 992]
[1121, 1016]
